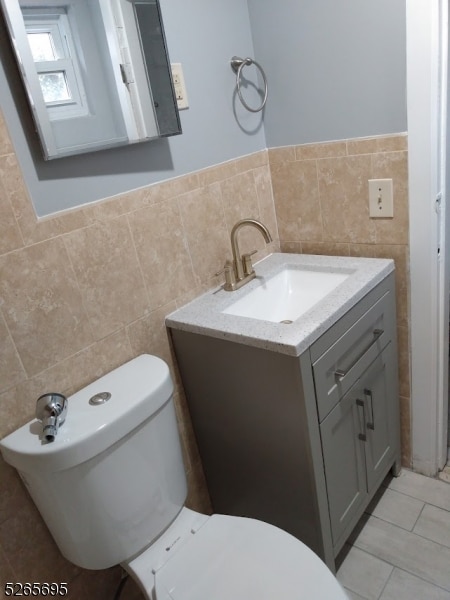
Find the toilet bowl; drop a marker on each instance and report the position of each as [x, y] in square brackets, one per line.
[111, 488]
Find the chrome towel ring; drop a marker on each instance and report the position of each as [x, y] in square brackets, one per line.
[237, 64]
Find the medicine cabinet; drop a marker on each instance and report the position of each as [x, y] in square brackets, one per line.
[96, 72]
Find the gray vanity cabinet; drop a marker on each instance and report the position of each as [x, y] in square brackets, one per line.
[359, 443]
[301, 442]
[344, 464]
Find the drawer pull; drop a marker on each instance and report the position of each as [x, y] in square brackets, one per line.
[362, 436]
[340, 373]
[370, 424]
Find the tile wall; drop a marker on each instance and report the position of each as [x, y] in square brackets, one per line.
[84, 291]
[321, 200]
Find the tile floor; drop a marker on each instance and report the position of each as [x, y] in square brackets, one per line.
[401, 549]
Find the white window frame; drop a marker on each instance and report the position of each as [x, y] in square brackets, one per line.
[56, 21]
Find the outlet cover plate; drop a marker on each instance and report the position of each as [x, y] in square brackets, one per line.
[381, 199]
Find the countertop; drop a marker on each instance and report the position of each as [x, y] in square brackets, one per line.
[204, 314]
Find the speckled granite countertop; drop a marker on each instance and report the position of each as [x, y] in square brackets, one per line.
[204, 314]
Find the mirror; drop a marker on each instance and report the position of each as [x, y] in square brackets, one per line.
[96, 72]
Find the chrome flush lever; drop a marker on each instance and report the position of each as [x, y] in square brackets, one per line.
[51, 410]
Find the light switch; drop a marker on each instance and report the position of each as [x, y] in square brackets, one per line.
[381, 198]
[179, 86]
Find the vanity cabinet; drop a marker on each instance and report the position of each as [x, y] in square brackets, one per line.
[302, 442]
[359, 443]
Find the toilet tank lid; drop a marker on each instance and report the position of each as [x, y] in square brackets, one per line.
[138, 389]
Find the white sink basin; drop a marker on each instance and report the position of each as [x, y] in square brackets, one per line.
[286, 296]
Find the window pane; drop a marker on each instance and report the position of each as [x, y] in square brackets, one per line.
[41, 46]
[54, 86]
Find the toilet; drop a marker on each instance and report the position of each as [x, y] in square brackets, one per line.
[111, 488]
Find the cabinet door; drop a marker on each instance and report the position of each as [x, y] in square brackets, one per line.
[343, 456]
[376, 389]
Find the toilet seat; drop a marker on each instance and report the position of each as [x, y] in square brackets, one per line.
[241, 559]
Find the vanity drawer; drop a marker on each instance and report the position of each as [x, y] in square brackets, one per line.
[346, 359]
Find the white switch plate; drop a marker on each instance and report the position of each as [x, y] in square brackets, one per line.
[381, 198]
[179, 86]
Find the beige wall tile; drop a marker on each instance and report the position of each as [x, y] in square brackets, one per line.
[98, 359]
[98, 584]
[282, 154]
[344, 199]
[6, 146]
[239, 198]
[252, 161]
[11, 368]
[104, 210]
[31, 550]
[388, 143]
[198, 496]
[18, 404]
[13, 494]
[188, 441]
[240, 201]
[137, 199]
[217, 173]
[393, 165]
[148, 335]
[266, 204]
[325, 248]
[42, 305]
[403, 361]
[206, 230]
[322, 150]
[405, 431]
[162, 250]
[32, 229]
[6, 573]
[174, 187]
[202, 288]
[10, 235]
[293, 247]
[399, 254]
[104, 259]
[295, 189]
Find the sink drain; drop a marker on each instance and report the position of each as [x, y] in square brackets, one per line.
[286, 321]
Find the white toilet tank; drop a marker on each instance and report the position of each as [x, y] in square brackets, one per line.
[113, 479]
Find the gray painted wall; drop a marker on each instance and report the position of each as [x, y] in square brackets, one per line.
[203, 36]
[336, 69]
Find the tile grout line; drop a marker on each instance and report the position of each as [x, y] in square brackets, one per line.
[418, 517]
[441, 546]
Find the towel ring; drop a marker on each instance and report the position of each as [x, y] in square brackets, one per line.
[237, 64]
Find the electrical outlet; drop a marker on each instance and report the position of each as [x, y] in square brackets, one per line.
[179, 86]
[381, 198]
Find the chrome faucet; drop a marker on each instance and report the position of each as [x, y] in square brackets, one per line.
[51, 410]
[240, 271]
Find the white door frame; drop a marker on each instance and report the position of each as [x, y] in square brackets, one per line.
[427, 26]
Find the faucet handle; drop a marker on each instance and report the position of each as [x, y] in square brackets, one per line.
[247, 262]
[230, 276]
